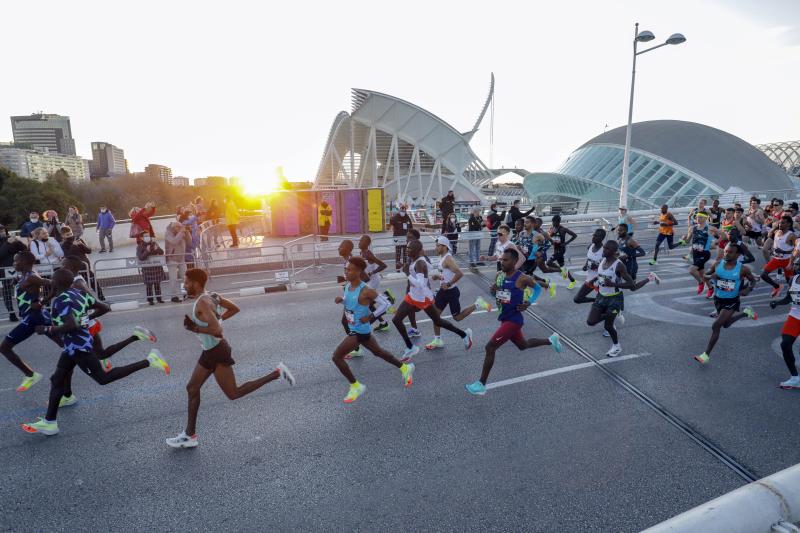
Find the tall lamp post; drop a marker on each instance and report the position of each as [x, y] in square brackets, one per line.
[639, 37]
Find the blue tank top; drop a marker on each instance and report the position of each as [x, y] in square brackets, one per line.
[26, 298]
[206, 340]
[728, 281]
[623, 220]
[701, 239]
[509, 297]
[354, 311]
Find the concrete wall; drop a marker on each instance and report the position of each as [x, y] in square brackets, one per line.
[122, 230]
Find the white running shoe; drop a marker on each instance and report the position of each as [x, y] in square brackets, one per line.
[791, 383]
[182, 441]
[620, 319]
[652, 276]
[615, 350]
[144, 334]
[468, 339]
[285, 373]
[409, 354]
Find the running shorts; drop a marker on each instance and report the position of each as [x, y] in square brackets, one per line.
[451, 297]
[661, 238]
[529, 266]
[558, 257]
[25, 329]
[363, 338]
[791, 327]
[731, 304]
[776, 263]
[218, 355]
[420, 306]
[508, 331]
[614, 303]
[753, 234]
[699, 259]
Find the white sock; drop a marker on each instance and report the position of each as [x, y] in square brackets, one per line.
[616, 347]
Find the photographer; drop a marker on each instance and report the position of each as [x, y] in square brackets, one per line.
[75, 247]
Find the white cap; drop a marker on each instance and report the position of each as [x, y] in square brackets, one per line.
[444, 241]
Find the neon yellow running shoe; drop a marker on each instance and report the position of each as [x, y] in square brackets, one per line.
[356, 390]
[551, 289]
[41, 426]
[157, 361]
[29, 382]
[407, 369]
[480, 303]
[702, 358]
[571, 285]
[66, 401]
[564, 272]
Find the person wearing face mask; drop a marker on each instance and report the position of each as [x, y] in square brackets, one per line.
[152, 275]
[401, 224]
[448, 207]
[28, 227]
[451, 230]
[9, 246]
[52, 225]
[75, 222]
[47, 251]
[105, 226]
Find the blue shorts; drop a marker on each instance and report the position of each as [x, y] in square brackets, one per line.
[451, 297]
[25, 329]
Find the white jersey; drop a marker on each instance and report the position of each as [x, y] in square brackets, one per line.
[447, 274]
[754, 224]
[781, 249]
[607, 273]
[374, 278]
[794, 294]
[419, 294]
[500, 247]
[593, 260]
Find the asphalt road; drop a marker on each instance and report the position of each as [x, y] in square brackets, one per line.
[567, 450]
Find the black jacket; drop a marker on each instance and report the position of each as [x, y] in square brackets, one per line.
[397, 221]
[516, 214]
[475, 223]
[495, 219]
[447, 205]
[76, 249]
[8, 250]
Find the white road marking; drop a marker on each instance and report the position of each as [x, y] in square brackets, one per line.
[563, 369]
[643, 305]
[447, 316]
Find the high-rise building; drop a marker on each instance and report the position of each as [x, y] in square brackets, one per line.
[211, 181]
[107, 160]
[159, 171]
[180, 181]
[45, 132]
[38, 165]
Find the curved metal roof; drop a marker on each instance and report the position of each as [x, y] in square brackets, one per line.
[714, 154]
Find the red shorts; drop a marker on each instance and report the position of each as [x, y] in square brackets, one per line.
[418, 305]
[775, 263]
[791, 327]
[508, 331]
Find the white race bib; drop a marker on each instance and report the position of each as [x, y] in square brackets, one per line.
[726, 285]
[698, 248]
[504, 297]
[350, 317]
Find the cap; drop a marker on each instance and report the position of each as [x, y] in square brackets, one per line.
[444, 241]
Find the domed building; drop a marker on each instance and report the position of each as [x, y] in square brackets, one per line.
[671, 162]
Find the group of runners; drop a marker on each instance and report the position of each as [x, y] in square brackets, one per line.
[64, 309]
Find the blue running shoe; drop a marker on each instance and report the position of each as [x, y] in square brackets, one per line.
[477, 388]
[555, 342]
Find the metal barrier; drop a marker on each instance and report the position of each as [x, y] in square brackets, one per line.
[10, 278]
[250, 230]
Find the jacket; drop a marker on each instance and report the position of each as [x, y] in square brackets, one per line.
[8, 249]
[105, 220]
[28, 227]
[75, 223]
[400, 224]
[77, 249]
[475, 223]
[40, 249]
[516, 214]
[175, 244]
[494, 221]
[231, 213]
[325, 217]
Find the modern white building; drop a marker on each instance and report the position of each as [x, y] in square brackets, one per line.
[38, 165]
[44, 131]
[785, 154]
[107, 160]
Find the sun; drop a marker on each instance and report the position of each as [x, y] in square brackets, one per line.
[259, 185]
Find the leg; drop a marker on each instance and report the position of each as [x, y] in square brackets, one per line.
[373, 346]
[199, 377]
[412, 318]
[226, 380]
[7, 349]
[595, 316]
[404, 310]
[105, 353]
[110, 238]
[583, 293]
[347, 345]
[172, 276]
[522, 343]
[787, 342]
[488, 360]
[671, 244]
[659, 239]
[609, 327]
[437, 319]
[63, 371]
[148, 289]
[91, 366]
[397, 252]
[768, 280]
[463, 314]
[723, 318]
[234, 236]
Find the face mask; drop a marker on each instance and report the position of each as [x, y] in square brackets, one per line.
[104, 210]
[146, 239]
[45, 239]
[403, 213]
[34, 219]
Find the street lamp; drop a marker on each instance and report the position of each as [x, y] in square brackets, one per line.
[643, 36]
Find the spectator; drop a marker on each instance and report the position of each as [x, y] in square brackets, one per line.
[190, 223]
[140, 219]
[75, 222]
[451, 228]
[199, 209]
[212, 215]
[46, 250]
[73, 246]
[475, 223]
[401, 224]
[493, 221]
[448, 207]
[325, 219]
[105, 227]
[516, 214]
[232, 220]
[52, 225]
[152, 275]
[9, 247]
[176, 242]
[28, 227]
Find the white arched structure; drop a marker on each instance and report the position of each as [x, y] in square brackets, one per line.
[411, 153]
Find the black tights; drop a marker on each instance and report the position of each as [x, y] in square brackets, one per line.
[101, 353]
[407, 309]
[787, 342]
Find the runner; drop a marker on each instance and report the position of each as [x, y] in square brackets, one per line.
[791, 328]
[420, 298]
[727, 277]
[727, 223]
[208, 313]
[558, 236]
[630, 250]
[594, 255]
[783, 239]
[531, 243]
[503, 243]
[374, 267]
[754, 222]
[448, 293]
[68, 311]
[771, 223]
[700, 236]
[357, 299]
[627, 220]
[715, 214]
[508, 289]
[666, 231]
[28, 293]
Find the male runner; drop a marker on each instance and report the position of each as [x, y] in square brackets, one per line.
[68, 311]
[558, 236]
[783, 239]
[531, 243]
[771, 223]
[715, 214]
[754, 221]
[448, 293]
[208, 312]
[727, 277]
[700, 236]
[420, 298]
[666, 224]
[630, 250]
[374, 267]
[28, 293]
[594, 254]
[357, 299]
[346, 252]
[791, 328]
[504, 243]
[508, 289]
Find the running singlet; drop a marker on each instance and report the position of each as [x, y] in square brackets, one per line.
[508, 297]
[665, 224]
[728, 281]
[208, 341]
[794, 294]
[374, 279]
[630, 255]
[525, 243]
[26, 298]
[754, 224]
[76, 303]
[593, 260]
[781, 249]
[624, 220]
[557, 237]
[607, 274]
[447, 274]
[701, 239]
[354, 311]
[419, 294]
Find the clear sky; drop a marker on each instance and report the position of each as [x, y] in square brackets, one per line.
[237, 88]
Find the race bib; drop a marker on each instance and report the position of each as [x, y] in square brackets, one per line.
[593, 265]
[726, 285]
[84, 321]
[795, 297]
[556, 239]
[350, 317]
[504, 297]
[698, 248]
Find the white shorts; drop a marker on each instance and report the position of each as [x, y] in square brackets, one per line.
[374, 282]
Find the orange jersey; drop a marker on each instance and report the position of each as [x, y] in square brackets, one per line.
[665, 224]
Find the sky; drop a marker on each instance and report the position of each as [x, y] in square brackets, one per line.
[238, 88]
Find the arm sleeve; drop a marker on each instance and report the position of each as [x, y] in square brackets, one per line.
[381, 305]
[639, 252]
[417, 280]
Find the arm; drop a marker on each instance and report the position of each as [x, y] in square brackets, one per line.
[748, 275]
[142, 252]
[521, 258]
[628, 282]
[206, 314]
[374, 259]
[638, 250]
[571, 234]
[99, 308]
[69, 324]
[35, 248]
[230, 308]
[451, 264]
[417, 280]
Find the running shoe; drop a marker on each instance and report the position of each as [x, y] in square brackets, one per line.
[653, 262]
[652, 276]
[409, 354]
[710, 293]
[468, 339]
[285, 373]
[713, 314]
[382, 326]
[702, 358]
[41, 426]
[356, 390]
[183, 441]
[391, 310]
[29, 382]
[571, 285]
[700, 288]
[355, 353]
[389, 295]
[144, 334]
[620, 321]
[156, 360]
[480, 303]
[477, 388]
[750, 313]
[791, 383]
[106, 364]
[682, 242]
[615, 350]
[408, 373]
[413, 332]
[776, 291]
[564, 272]
[435, 344]
[551, 290]
[606, 334]
[66, 401]
[555, 342]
